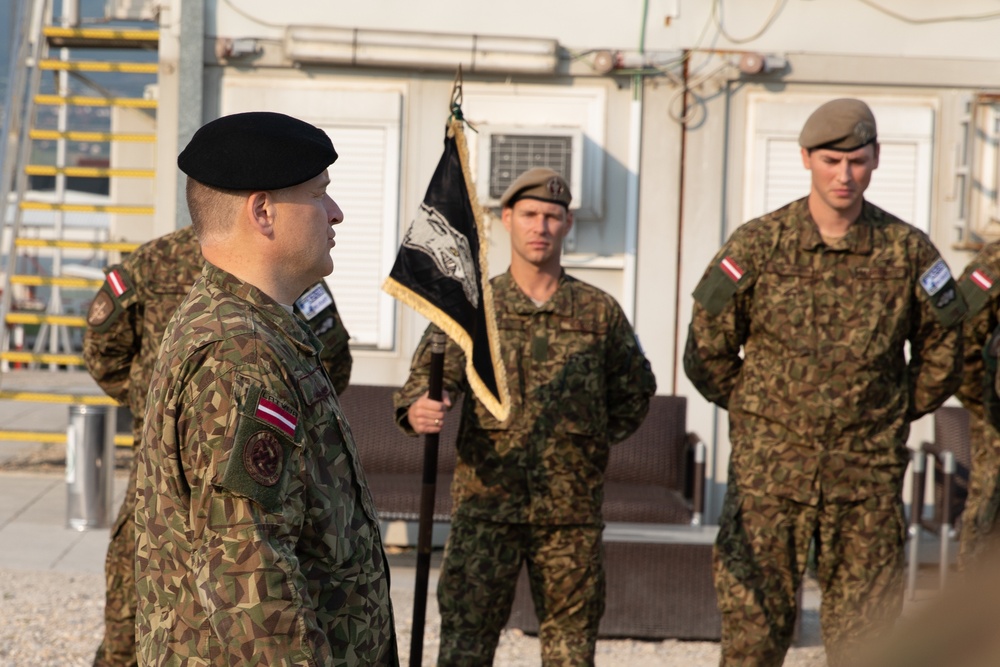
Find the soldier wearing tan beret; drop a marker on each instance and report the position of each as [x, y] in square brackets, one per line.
[798, 330]
[529, 489]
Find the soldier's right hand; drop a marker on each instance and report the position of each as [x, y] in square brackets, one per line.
[426, 415]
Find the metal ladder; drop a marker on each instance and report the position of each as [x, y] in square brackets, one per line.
[38, 255]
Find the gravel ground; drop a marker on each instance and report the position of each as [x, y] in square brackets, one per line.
[53, 619]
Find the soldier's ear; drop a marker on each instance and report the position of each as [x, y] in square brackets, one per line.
[260, 212]
[506, 215]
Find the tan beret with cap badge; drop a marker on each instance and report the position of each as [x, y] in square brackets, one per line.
[844, 124]
[538, 183]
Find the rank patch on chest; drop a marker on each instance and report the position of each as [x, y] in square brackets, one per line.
[936, 277]
[276, 416]
[731, 269]
[262, 458]
[116, 283]
[313, 301]
[981, 280]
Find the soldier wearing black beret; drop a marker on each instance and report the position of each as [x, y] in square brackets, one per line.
[799, 329]
[257, 539]
[128, 315]
[529, 490]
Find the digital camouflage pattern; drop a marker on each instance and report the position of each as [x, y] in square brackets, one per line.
[567, 583]
[579, 383]
[125, 324]
[820, 401]
[980, 285]
[257, 542]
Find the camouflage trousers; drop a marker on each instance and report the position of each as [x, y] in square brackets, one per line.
[761, 554]
[117, 649]
[979, 513]
[478, 577]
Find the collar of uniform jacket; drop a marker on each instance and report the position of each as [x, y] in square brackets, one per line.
[858, 239]
[265, 306]
[560, 303]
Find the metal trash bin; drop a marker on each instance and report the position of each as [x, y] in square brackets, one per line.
[90, 466]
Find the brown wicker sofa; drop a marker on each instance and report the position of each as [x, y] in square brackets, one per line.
[657, 588]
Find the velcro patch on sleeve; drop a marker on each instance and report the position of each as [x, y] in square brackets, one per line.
[936, 277]
[943, 293]
[115, 295]
[257, 464]
[978, 287]
[981, 279]
[718, 287]
[261, 450]
[949, 305]
[272, 413]
[314, 301]
[731, 269]
[101, 309]
[118, 282]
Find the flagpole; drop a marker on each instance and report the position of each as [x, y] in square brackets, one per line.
[427, 495]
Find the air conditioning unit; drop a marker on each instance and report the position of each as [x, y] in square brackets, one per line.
[131, 10]
[505, 152]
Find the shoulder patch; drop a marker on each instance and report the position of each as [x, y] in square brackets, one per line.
[261, 451]
[718, 287]
[936, 277]
[978, 287]
[314, 301]
[119, 282]
[257, 464]
[263, 458]
[949, 304]
[276, 416]
[101, 309]
[731, 269]
[981, 279]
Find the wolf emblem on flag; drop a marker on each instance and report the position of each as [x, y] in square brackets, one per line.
[441, 272]
[433, 235]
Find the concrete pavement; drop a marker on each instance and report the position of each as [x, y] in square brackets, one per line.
[33, 505]
[33, 528]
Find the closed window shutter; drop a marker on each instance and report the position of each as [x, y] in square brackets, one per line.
[361, 186]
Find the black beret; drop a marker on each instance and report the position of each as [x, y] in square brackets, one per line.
[845, 124]
[258, 150]
[538, 183]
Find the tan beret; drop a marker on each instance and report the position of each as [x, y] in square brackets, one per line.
[844, 124]
[538, 183]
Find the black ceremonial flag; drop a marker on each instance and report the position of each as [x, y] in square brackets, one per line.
[441, 271]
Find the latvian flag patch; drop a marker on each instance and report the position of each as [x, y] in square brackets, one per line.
[117, 283]
[731, 269]
[981, 280]
[276, 416]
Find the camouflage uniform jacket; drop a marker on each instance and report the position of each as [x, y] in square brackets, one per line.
[129, 313]
[579, 383]
[821, 399]
[257, 540]
[980, 285]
